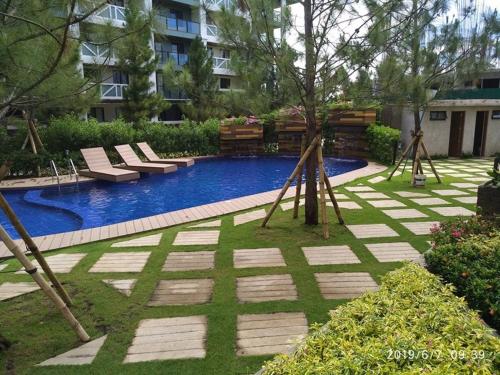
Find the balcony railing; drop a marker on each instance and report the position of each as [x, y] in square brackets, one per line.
[172, 94]
[112, 12]
[97, 51]
[212, 30]
[112, 90]
[177, 24]
[221, 63]
[221, 3]
[179, 59]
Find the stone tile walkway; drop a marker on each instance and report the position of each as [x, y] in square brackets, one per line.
[250, 258]
[208, 224]
[3, 266]
[449, 192]
[468, 200]
[477, 179]
[377, 179]
[372, 196]
[83, 355]
[393, 251]
[429, 201]
[359, 188]
[60, 263]
[249, 216]
[289, 205]
[420, 227]
[202, 237]
[411, 194]
[153, 240]
[182, 292]
[121, 262]
[319, 255]
[361, 231]
[189, 261]
[452, 211]
[11, 290]
[408, 213]
[386, 203]
[348, 205]
[343, 285]
[253, 289]
[169, 338]
[124, 286]
[261, 334]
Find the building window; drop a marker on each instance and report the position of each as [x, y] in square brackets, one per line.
[97, 113]
[120, 77]
[491, 83]
[226, 54]
[437, 115]
[495, 115]
[225, 83]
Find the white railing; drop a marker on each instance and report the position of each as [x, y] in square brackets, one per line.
[221, 63]
[100, 51]
[109, 12]
[221, 3]
[212, 30]
[112, 90]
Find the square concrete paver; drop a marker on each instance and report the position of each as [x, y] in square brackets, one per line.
[429, 201]
[261, 334]
[449, 192]
[348, 205]
[394, 251]
[372, 196]
[344, 285]
[338, 196]
[189, 261]
[265, 288]
[169, 338]
[11, 290]
[411, 194]
[408, 213]
[153, 240]
[208, 224]
[83, 355]
[318, 255]
[452, 211]
[359, 188]
[420, 227]
[182, 292]
[386, 203]
[249, 216]
[60, 263]
[459, 175]
[477, 179]
[266, 257]
[468, 200]
[124, 286]
[200, 237]
[372, 230]
[121, 262]
[377, 179]
[289, 205]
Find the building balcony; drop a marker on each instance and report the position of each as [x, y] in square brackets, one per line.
[179, 59]
[172, 94]
[177, 27]
[218, 4]
[221, 66]
[108, 13]
[97, 54]
[112, 91]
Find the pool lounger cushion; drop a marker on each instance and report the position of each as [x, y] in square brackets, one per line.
[133, 162]
[100, 167]
[153, 158]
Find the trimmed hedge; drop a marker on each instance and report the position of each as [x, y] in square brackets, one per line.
[381, 141]
[414, 324]
[466, 253]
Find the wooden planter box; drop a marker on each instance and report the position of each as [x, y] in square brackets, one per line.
[290, 129]
[350, 131]
[241, 139]
[488, 199]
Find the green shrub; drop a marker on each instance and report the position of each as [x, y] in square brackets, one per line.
[466, 253]
[381, 141]
[115, 133]
[71, 133]
[268, 121]
[412, 325]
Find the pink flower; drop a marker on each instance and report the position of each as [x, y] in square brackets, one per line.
[435, 228]
[456, 234]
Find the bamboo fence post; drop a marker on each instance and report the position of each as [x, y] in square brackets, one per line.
[289, 181]
[9, 212]
[428, 157]
[298, 188]
[403, 155]
[34, 132]
[324, 216]
[65, 311]
[333, 199]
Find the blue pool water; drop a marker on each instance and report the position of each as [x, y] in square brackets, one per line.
[92, 204]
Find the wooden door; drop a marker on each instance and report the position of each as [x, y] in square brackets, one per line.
[456, 133]
[480, 133]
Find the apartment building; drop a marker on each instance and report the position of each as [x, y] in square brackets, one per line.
[178, 22]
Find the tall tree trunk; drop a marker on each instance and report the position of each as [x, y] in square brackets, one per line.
[311, 206]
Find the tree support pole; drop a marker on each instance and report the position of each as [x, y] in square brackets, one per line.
[333, 199]
[403, 155]
[298, 187]
[324, 216]
[65, 311]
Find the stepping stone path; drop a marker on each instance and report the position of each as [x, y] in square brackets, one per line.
[338, 196]
[429, 201]
[319, 255]
[121, 262]
[249, 216]
[189, 261]
[11, 290]
[123, 286]
[372, 196]
[182, 292]
[408, 213]
[411, 194]
[345, 285]
[250, 258]
[394, 251]
[468, 200]
[359, 188]
[420, 227]
[83, 355]
[169, 338]
[261, 334]
[266, 288]
[347, 205]
[153, 240]
[376, 180]
[387, 203]
[449, 192]
[201, 237]
[372, 230]
[478, 179]
[452, 211]
[289, 205]
[208, 224]
[459, 175]
[3, 266]
[60, 263]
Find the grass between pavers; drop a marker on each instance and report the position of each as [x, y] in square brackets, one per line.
[38, 332]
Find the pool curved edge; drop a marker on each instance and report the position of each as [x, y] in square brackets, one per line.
[206, 211]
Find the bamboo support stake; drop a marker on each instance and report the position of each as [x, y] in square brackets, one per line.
[298, 187]
[289, 181]
[333, 199]
[34, 132]
[324, 216]
[4, 205]
[403, 155]
[65, 311]
[428, 157]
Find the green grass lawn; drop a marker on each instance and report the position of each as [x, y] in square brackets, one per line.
[38, 332]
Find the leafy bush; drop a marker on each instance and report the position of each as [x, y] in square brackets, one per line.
[412, 325]
[466, 253]
[115, 133]
[381, 141]
[70, 133]
[269, 127]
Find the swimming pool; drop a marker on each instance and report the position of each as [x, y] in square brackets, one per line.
[93, 204]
